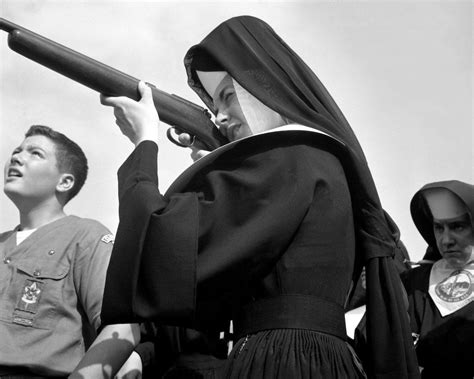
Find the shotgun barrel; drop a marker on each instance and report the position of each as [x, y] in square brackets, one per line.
[173, 110]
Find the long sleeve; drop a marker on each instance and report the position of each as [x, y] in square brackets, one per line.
[133, 252]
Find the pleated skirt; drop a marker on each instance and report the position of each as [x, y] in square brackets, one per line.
[292, 353]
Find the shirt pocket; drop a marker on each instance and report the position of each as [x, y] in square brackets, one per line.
[38, 292]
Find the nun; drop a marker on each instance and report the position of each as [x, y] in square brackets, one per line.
[270, 230]
[441, 289]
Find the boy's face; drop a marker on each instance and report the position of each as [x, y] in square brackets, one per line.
[32, 172]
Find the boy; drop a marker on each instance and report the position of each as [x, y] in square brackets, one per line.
[53, 270]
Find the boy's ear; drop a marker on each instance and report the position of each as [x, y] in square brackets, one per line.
[65, 183]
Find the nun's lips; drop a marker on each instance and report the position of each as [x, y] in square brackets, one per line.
[456, 255]
[452, 252]
[230, 131]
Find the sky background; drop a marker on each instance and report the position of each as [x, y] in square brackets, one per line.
[400, 71]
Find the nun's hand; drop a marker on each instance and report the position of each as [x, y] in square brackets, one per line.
[197, 148]
[138, 120]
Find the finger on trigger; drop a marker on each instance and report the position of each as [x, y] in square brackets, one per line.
[184, 138]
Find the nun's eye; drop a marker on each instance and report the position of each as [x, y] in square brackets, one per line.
[228, 96]
[438, 228]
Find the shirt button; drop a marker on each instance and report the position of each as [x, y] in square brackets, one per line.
[37, 273]
[51, 252]
[7, 260]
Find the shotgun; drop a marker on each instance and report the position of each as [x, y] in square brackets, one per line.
[175, 111]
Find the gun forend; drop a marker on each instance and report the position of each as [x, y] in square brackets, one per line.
[173, 110]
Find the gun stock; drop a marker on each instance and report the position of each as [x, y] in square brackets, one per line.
[173, 110]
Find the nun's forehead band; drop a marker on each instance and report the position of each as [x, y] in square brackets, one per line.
[444, 204]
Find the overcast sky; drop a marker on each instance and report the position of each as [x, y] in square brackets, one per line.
[400, 71]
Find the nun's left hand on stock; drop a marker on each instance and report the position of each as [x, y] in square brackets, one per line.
[138, 120]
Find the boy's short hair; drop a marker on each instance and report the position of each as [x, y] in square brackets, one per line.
[69, 156]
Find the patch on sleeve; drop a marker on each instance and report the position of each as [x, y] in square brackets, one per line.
[108, 238]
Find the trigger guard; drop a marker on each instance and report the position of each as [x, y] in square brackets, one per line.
[169, 134]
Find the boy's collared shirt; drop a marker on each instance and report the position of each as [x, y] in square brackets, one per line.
[51, 294]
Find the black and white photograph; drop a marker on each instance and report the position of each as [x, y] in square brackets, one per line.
[252, 189]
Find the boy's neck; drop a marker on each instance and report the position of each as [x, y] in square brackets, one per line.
[39, 215]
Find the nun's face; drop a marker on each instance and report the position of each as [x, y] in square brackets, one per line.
[455, 239]
[229, 116]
